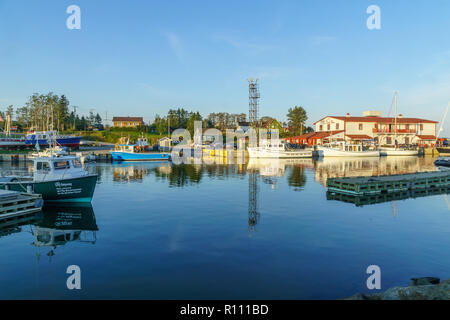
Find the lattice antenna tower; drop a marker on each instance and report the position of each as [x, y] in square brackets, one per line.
[253, 103]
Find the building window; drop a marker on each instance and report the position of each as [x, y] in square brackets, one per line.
[388, 140]
[337, 126]
[328, 127]
[407, 127]
[360, 126]
[406, 140]
[320, 128]
[421, 127]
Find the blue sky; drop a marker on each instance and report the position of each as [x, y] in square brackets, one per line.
[142, 57]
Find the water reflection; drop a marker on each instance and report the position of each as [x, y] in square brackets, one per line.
[361, 201]
[59, 225]
[367, 167]
[135, 171]
[271, 170]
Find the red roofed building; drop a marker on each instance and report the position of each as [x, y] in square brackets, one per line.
[371, 127]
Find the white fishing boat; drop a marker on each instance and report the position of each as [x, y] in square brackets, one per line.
[386, 151]
[278, 150]
[397, 150]
[342, 149]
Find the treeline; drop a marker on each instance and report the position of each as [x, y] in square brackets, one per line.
[51, 111]
[181, 118]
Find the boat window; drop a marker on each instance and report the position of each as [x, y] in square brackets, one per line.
[42, 166]
[61, 165]
[76, 163]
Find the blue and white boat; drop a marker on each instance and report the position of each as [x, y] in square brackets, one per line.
[43, 138]
[133, 152]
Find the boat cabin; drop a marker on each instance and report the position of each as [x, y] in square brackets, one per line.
[57, 167]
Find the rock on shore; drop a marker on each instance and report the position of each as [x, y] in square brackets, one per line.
[428, 288]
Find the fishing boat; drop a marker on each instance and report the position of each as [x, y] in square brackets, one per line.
[343, 149]
[58, 178]
[135, 152]
[45, 138]
[397, 150]
[278, 149]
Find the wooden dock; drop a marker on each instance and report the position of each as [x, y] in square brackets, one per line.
[388, 184]
[17, 205]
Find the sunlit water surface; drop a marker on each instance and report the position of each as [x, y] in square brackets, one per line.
[263, 230]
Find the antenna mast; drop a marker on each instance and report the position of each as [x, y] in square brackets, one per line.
[253, 104]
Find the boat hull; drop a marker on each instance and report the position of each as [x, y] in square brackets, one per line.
[71, 142]
[398, 152]
[131, 156]
[257, 153]
[64, 190]
[329, 152]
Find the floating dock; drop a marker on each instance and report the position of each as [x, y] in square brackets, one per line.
[17, 205]
[361, 186]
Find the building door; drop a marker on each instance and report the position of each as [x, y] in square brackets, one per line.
[406, 140]
[388, 140]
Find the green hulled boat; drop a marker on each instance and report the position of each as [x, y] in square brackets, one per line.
[58, 178]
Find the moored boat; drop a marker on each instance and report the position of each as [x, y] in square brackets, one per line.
[58, 178]
[342, 149]
[386, 151]
[45, 138]
[278, 150]
[134, 152]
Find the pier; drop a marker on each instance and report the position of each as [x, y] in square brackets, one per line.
[17, 205]
[361, 186]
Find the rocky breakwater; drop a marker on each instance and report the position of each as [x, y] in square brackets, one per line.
[428, 288]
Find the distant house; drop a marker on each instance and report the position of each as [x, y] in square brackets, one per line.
[272, 124]
[243, 126]
[127, 122]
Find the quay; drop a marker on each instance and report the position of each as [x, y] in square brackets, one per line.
[99, 154]
[17, 205]
[361, 186]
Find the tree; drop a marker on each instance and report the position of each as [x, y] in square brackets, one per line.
[160, 125]
[191, 121]
[10, 111]
[296, 119]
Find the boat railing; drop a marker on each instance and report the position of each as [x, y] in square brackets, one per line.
[15, 173]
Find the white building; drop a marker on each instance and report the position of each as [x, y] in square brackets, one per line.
[380, 130]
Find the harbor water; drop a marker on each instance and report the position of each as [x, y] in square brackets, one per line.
[262, 230]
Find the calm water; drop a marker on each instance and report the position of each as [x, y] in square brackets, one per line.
[256, 231]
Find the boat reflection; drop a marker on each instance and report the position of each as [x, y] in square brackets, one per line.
[272, 169]
[368, 167]
[60, 225]
[135, 172]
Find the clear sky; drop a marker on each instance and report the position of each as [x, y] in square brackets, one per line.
[141, 57]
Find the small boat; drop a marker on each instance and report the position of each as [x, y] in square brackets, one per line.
[342, 149]
[278, 150]
[442, 162]
[58, 178]
[45, 138]
[386, 151]
[135, 152]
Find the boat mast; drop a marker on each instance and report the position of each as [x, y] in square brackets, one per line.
[441, 127]
[395, 123]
